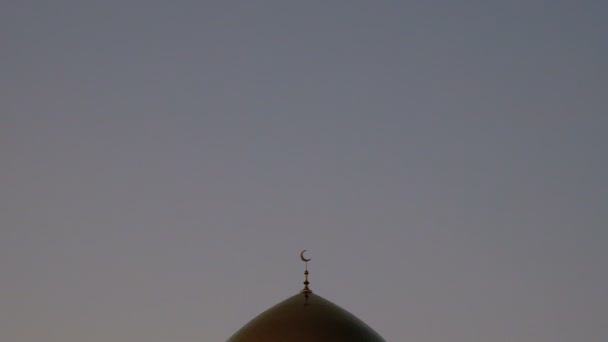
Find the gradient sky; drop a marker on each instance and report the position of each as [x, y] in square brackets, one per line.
[164, 162]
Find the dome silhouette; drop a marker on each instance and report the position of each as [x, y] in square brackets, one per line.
[312, 319]
[306, 317]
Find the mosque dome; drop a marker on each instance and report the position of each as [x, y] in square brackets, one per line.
[308, 317]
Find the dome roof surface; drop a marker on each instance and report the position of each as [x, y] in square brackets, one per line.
[306, 317]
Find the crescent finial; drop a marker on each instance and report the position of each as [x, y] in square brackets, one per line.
[303, 258]
[305, 290]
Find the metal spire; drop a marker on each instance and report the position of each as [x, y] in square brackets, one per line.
[305, 290]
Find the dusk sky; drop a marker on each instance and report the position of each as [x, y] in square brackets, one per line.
[163, 163]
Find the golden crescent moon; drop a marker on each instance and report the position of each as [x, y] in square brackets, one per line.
[303, 258]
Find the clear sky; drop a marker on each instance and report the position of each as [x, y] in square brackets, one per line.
[164, 162]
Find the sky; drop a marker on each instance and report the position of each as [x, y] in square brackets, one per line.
[163, 163]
